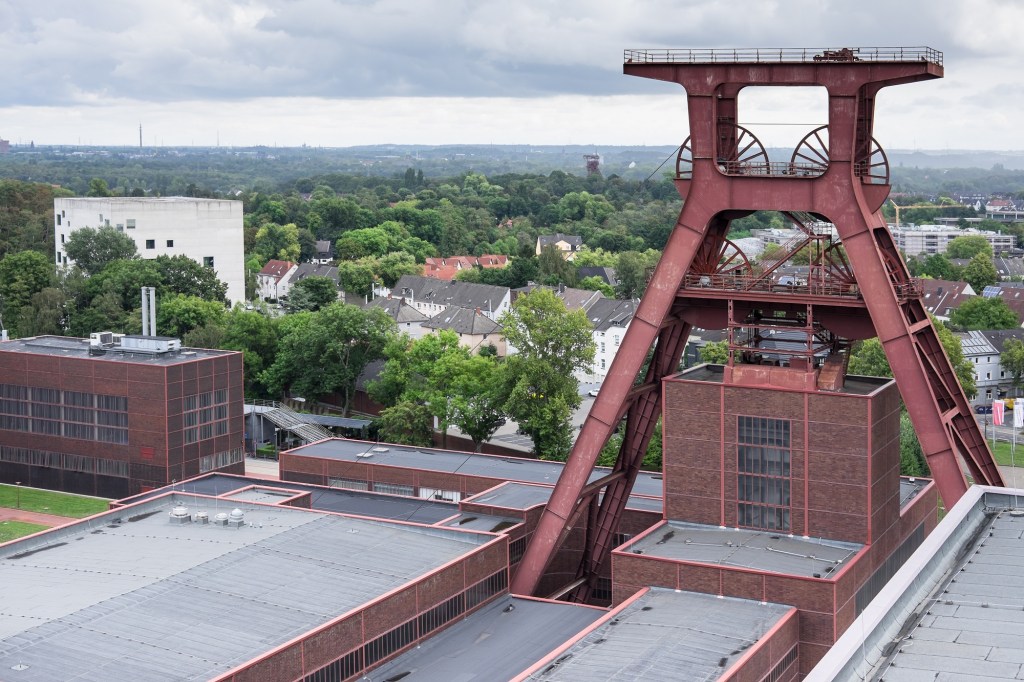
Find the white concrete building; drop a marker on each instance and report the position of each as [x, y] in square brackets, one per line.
[915, 240]
[209, 231]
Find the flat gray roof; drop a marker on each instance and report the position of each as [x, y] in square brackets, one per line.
[361, 503]
[450, 461]
[667, 635]
[955, 611]
[514, 495]
[68, 347]
[854, 385]
[130, 595]
[496, 643]
[745, 548]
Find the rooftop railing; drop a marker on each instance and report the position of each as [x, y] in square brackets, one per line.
[776, 55]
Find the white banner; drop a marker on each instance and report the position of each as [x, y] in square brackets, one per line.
[1018, 413]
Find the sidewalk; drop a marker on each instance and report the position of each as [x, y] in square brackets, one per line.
[51, 520]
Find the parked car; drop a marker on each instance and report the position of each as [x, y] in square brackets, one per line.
[983, 409]
[593, 392]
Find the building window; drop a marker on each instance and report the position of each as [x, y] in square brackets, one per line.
[130, 223]
[170, 243]
[763, 476]
[150, 243]
[62, 239]
[58, 221]
[208, 261]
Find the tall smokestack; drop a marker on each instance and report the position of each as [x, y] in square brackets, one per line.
[149, 311]
[145, 312]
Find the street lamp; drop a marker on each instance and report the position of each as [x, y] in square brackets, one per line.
[18, 488]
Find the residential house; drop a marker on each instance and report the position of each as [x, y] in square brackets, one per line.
[1009, 268]
[610, 319]
[304, 270]
[448, 268]
[941, 296]
[408, 319]
[475, 330]
[431, 296]
[324, 252]
[983, 349]
[272, 281]
[605, 273]
[569, 245]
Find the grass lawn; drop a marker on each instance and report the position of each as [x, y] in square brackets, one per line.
[11, 530]
[1001, 451]
[49, 502]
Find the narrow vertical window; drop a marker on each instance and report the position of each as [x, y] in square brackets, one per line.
[763, 476]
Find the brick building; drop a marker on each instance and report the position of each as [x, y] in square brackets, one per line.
[117, 415]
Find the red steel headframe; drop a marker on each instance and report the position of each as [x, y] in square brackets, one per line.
[838, 174]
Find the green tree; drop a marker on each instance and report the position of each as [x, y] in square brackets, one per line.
[46, 314]
[912, 461]
[421, 372]
[94, 249]
[478, 397]
[178, 314]
[715, 352]
[254, 335]
[868, 359]
[969, 246]
[22, 275]
[979, 312]
[938, 266]
[357, 277]
[394, 265]
[552, 345]
[1012, 360]
[631, 271]
[406, 423]
[312, 293]
[595, 283]
[280, 242]
[182, 275]
[324, 352]
[98, 188]
[980, 272]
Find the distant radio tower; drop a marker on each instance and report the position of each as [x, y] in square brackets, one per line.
[593, 163]
[140, 136]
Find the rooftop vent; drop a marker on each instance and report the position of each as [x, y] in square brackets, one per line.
[179, 515]
[236, 519]
[221, 519]
[202, 517]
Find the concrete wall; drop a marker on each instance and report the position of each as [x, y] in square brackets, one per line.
[197, 228]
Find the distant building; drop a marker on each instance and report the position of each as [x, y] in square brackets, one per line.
[272, 282]
[448, 268]
[983, 349]
[209, 231]
[941, 297]
[5, 146]
[606, 274]
[324, 252]
[431, 296]
[915, 240]
[610, 319]
[304, 270]
[116, 415]
[475, 330]
[569, 245]
[408, 319]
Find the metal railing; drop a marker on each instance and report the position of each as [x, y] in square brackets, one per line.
[285, 418]
[791, 55]
[733, 282]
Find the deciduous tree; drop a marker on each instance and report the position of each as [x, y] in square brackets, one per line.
[93, 249]
[979, 312]
[552, 345]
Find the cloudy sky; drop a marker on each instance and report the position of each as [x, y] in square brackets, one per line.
[351, 72]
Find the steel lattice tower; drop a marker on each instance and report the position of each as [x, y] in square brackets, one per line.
[838, 175]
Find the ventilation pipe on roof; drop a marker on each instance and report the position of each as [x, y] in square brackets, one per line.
[148, 311]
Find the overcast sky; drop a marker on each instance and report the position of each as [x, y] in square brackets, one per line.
[352, 72]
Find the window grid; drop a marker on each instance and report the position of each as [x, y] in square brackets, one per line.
[763, 473]
[70, 414]
[205, 415]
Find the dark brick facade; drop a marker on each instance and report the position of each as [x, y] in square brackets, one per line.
[157, 447]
